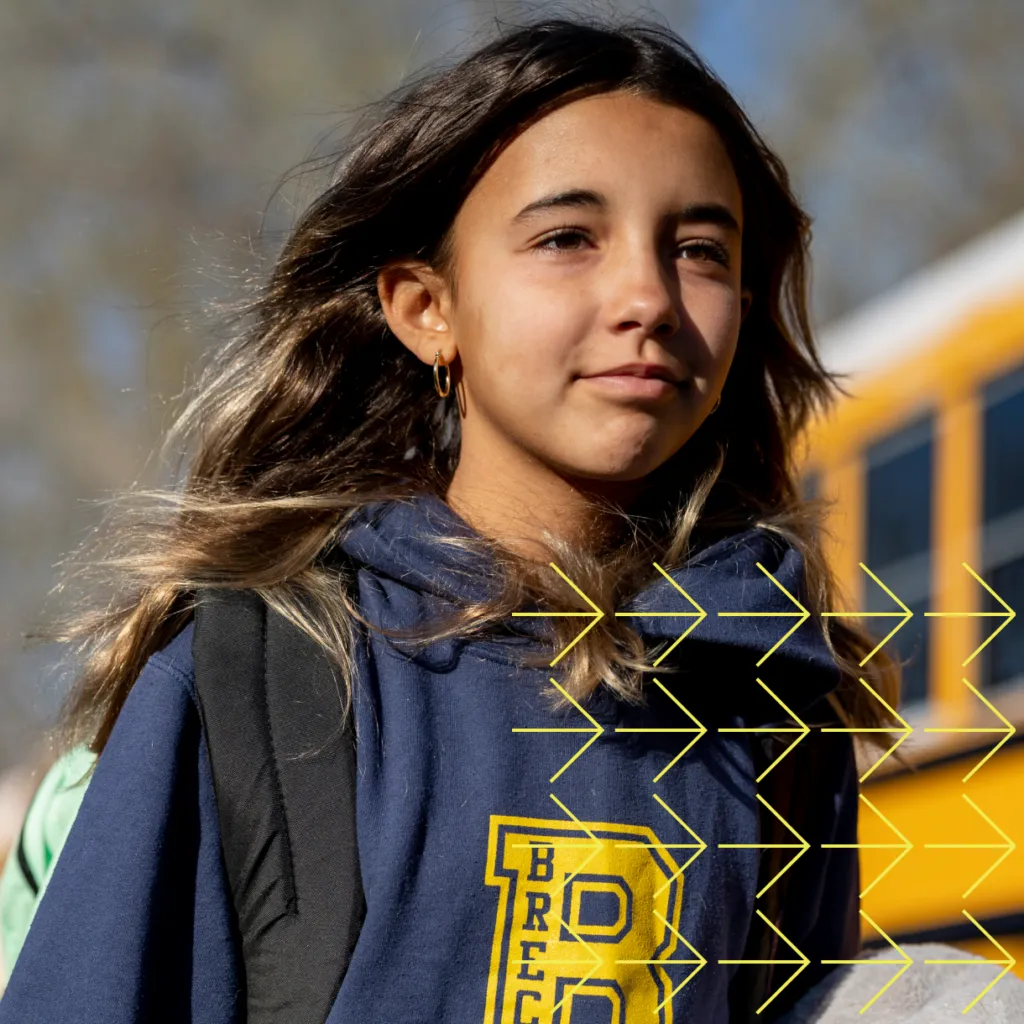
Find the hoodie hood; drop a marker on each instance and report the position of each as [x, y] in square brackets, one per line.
[754, 577]
[405, 540]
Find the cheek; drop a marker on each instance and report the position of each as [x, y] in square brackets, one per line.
[716, 314]
[520, 351]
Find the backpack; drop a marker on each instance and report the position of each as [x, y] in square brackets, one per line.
[284, 776]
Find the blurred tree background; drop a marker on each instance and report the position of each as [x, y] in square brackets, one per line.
[144, 140]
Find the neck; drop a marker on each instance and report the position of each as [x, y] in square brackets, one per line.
[513, 498]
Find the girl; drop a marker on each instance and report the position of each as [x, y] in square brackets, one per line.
[542, 345]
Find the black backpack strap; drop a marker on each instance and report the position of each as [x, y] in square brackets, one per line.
[284, 773]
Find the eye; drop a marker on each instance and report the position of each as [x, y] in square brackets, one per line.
[702, 250]
[707, 249]
[568, 231]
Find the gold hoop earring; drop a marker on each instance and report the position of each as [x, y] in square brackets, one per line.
[437, 376]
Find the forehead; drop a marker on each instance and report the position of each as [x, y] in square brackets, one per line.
[641, 153]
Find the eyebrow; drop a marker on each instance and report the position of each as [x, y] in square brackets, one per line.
[693, 213]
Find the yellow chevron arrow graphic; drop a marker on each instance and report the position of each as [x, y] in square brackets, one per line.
[800, 728]
[596, 615]
[596, 728]
[803, 962]
[906, 730]
[593, 842]
[1007, 964]
[905, 615]
[700, 615]
[905, 960]
[700, 846]
[1008, 727]
[1008, 615]
[1007, 847]
[592, 956]
[906, 846]
[802, 614]
[701, 962]
[803, 846]
[698, 728]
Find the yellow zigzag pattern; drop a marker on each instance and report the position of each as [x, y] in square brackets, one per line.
[595, 730]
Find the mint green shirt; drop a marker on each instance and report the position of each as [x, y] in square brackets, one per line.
[47, 823]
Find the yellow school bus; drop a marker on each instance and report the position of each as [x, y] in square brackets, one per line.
[924, 467]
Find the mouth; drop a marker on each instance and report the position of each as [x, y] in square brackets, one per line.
[630, 385]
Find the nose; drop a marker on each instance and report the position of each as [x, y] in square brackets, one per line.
[645, 294]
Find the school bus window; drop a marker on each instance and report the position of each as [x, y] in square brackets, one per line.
[1004, 446]
[1003, 523]
[898, 496]
[1003, 663]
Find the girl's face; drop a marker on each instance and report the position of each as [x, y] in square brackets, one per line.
[608, 233]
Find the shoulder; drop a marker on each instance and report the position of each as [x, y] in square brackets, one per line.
[173, 663]
[161, 705]
[150, 756]
[158, 722]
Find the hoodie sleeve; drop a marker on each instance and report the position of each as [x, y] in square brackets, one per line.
[135, 924]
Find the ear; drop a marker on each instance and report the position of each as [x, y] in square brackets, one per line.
[746, 300]
[416, 304]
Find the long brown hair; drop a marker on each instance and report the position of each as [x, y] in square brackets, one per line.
[312, 408]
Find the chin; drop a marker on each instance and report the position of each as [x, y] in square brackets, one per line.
[623, 474]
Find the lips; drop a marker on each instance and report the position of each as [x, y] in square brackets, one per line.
[632, 385]
[642, 370]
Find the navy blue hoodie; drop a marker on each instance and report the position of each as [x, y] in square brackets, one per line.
[508, 876]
